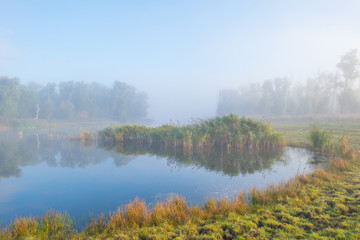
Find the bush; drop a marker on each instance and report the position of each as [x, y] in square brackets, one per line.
[321, 140]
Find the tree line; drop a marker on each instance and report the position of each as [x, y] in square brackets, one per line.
[325, 93]
[70, 100]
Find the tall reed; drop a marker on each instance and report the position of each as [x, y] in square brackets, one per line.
[50, 225]
[323, 141]
[226, 132]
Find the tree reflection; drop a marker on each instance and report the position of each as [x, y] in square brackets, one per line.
[231, 163]
[16, 153]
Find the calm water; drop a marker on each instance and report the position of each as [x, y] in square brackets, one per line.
[39, 173]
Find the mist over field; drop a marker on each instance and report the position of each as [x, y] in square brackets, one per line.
[185, 119]
[184, 59]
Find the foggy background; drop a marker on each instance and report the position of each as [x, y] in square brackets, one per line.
[181, 53]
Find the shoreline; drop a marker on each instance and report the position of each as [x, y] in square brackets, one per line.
[266, 216]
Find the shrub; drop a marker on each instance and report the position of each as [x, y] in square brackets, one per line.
[321, 140]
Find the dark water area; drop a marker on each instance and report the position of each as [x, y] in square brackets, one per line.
[43, 172]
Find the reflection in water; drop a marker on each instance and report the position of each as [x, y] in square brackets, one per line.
[40, 173]
[16, 153]
[230, 163]
[32, 150]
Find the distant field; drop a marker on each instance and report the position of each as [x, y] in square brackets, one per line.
[54, 125]
[296, 131]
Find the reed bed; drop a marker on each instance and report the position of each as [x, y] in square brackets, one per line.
[322, 140]
[226, 132]
[52, 225]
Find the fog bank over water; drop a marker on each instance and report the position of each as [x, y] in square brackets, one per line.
[180, 53]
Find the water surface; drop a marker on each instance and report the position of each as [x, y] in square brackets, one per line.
[46, 172]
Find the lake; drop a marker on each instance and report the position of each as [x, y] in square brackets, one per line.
[42, 172]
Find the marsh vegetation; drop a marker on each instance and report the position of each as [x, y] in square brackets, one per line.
[226, 132]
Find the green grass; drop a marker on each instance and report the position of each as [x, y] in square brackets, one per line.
[296, 132]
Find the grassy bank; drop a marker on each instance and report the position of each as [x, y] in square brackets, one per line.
[226, 132]
[54, 125]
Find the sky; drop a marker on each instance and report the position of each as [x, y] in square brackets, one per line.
[181, 53]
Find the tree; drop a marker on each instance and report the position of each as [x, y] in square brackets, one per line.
[280, 95]
[9, 96]
[249, 99]
[332, 84]
[349, 67]
[229, 100]
[66, 93]
[267, 99]
[101, 100]
[121, 97]
[139, 105]
[27, 102]
[82, 100]
[48, 100]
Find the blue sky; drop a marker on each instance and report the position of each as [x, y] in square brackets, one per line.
[180, 52]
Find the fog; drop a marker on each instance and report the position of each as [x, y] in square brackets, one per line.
[182, 54]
